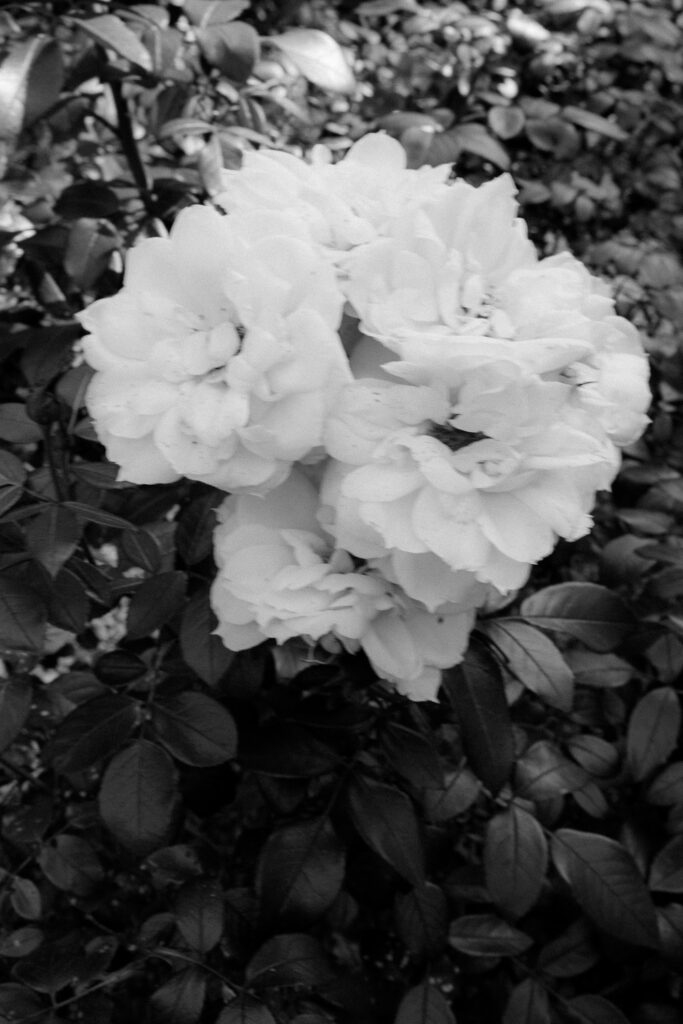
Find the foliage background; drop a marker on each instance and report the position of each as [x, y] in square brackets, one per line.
[188, 836]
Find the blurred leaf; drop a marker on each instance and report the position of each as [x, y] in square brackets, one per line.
[22, 616]
[199, 914]
[318, 57]
[111, 32]
[16, 694]
[202, 650]
[534, 660]
[31, 78]
[88, 251]
[422, 919]
[505, 122]
[16, 426]
[233, 48]
[26, 899]
[386, 821]
[666, 873]
[555, 136]
[667, 787]
[594, 1009]
[300, 870]
[53, 536]
[19, 1001]
[594, 123]
[424, 1004]
[55, 964]
[476, 691]
[214, 12]
[285, 960]
[195, 728]
[9, 496]
[71, 864]
[590, 613]
[153, 604]
[20, 942]
[137, 797]
[91, 199]
[606, 884]
[11, 469]
[652, 731]
[196, 525]
[93, 732]
[245, 1010]
[487, 935]
[571, 953]
[515, 860]
[474, 138]
[181, 999]
[528, 1004]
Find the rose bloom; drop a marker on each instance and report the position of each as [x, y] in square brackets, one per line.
[343, 204]
[279, 577]
[220, 355]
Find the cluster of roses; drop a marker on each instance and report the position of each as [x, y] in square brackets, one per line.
[406, 406]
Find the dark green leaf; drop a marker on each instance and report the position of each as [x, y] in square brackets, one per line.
[292, 959]
[424, 1004]
[667, 787]
[487, 935]
[199, 914]
[534, 660]
[300, 870]
[515, 860]
[386, 821]
[9, 496]
[233, 48]
[71, 864]
[137, 797]
[142, 549]
[593, 122]
[422, 919]
[119, 667]
[666, 873]
[68, 605]
[52, 537]
[475, 689]
[543, 772]
[111, 32]
[245, 1010]
[155, 602]
[595, 755]
[55, 964]
[461, 789]
[87, 199]
[474, 138]
[528, 1004]
[16, 694]
[49, 353]
[600, 671]
[21, 942]
[93, 732]
[287, 752]
[18, 1003]
[202, 650]
[98, 516]
[214, 12]
[196, 524]
[195, 728]
[606, 884]
[412, 756]
[652, 731]
[590, 613]
[173, 865]
[11, 469]
[571, 953]
[23, 616]
[99, 474]
[26, 899]
[180, 1000]
[16, 426]
[594, 1009]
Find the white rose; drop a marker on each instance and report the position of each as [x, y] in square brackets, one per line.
[219, 357]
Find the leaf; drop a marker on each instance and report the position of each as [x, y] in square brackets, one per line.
[652, 731]
[109, 31]
[23, 616]
[98, 515]
[199, 914]
[20, 943]
[16, 694]
[16, 426]
[570, 954]
[594, 123]
[606, 884]
[244, 1010]
[196, 525]
[594, 1009]
[52, 537]
[214, 12]
[291, 959]
[71, 864]
[56, 964]
[667, 787]
[424, 1004]
[543, 772]
[666, 873]
[154, 603]
[487, 935]
[318, 57]
[515, 860]
[142, 549]
[181, 999]
[300, 870]
[528, 1004]
[474, 138]
[21, 1002]
[600, 671]
[202, 650]
[287, 752]
[506, 122]
[11, 469]
[553, 135]
[460, 790]
[91, 199]
[137, 797]
[26, 899]
[93, 732]
[422, 919]
[412, 756]
[476, 691]
[590, 613]
[386, 821]
[534, 660]
[195, 728]
[68, 604]
[233, 48]
[31, 78]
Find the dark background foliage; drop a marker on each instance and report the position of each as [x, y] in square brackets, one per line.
[192, 837]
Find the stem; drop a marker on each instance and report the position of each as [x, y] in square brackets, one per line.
[130, 148]
[62, 494]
